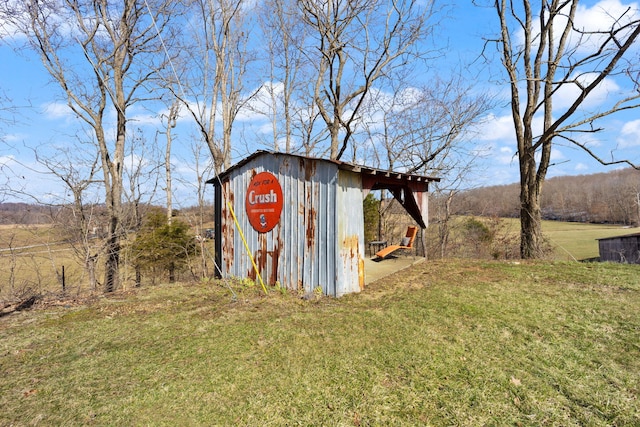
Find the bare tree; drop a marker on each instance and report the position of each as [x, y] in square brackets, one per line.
[559, 62]
[172, 118]
[282, 29]
[101, 54]
[358, 44]
[215, 71]
[140, 182]
[6, 117]
[426, 130]
[203, 167]
[80, 218]
[423, 129]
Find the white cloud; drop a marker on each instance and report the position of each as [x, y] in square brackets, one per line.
[581, 167]
[57, 111]
[598, 18]
[145, 119]
[6, 160]
[629, 135]
[496, 128]
[14, 137]
[605, 14]
[557, 155]
[506, 156]
[568, 93]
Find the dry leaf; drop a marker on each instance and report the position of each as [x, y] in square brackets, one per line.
[30, 392]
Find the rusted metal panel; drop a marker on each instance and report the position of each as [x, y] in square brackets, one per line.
[319, 239]
[350, 217]
[300, 252]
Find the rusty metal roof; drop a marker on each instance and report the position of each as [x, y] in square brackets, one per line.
[380, 174]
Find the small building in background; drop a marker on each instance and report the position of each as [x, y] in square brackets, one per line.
[624, 249]
[301, 219]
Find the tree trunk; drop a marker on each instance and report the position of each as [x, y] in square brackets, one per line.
[91, 268]
[172, 273]
[171, 123]
[138, 276]
[530, 214]
[114, 205]
[112, 263]
[444, 232]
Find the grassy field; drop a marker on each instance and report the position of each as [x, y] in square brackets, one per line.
[577, 241]
[32, 257]
[463, 343]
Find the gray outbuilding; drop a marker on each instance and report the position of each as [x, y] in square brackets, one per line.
[301, 219]
[624, 249]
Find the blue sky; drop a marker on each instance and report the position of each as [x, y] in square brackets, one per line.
[40, 120]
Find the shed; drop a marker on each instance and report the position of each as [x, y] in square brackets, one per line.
[624, 249]
[302, 219]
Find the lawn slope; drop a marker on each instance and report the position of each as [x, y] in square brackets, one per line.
[443, 343]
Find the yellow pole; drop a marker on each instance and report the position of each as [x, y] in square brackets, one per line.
[255, 267]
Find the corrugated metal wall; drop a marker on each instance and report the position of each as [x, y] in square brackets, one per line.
[350, 231]
[319, 239]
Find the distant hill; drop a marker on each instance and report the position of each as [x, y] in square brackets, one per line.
[27, 214]
[612, 197]
[24, 213]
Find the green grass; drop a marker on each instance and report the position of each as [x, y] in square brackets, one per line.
[571, 241]
[37, 267]
[443, 343]
[578, 241]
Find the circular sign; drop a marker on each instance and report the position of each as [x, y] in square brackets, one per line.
[264, 202]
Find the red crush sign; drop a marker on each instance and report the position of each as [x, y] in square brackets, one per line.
[264, 202]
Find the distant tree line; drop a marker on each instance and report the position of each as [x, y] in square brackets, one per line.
[24, 213]
[612, 197]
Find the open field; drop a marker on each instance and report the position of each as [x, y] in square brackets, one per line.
[577, 241]
[463, 343]
[32, 257]
[570, 241]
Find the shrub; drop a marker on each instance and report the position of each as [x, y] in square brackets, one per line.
[162, 247]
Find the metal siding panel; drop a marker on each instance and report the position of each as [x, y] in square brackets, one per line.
[332, 233]
[299, 220]
[323, 233]
[318, 219]
[302, 251]
[327, 230]
[289, 260]
[308, 249]
[350, 234]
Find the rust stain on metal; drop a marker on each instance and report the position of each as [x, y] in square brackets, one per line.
[275, 257]
[228, 229]
[309, 168]
[262, 252]
[351, 256]
[260, 257]
[311, 215]
[311, 228]
[352, 244]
